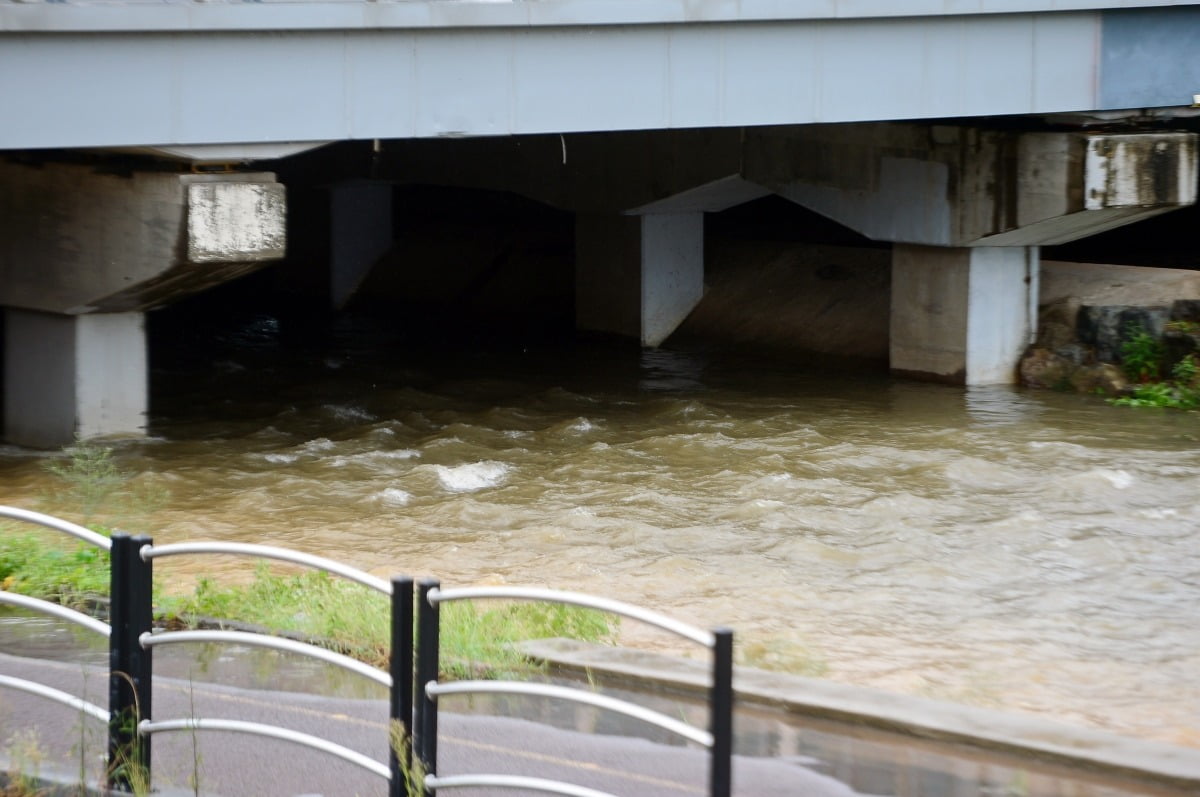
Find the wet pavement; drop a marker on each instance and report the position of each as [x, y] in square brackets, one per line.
[233, 764]
[809, 744]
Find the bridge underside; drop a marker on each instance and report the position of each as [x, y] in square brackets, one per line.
[131, 189]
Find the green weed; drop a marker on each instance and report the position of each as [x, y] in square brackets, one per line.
[1186, 370]
[1160, 394]
[1141, 354]
[90, 483]
[26, 753]
[410, 768]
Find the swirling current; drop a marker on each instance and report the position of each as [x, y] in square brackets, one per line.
[1030, 551]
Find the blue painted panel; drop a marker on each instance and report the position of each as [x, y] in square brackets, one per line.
[1150, 58]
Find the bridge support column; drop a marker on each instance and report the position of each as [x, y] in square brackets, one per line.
[962, 314]
[73, 376]
[360, 231]
[967, 209]
[638, 276]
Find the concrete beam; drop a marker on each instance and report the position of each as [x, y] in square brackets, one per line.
[962, 315]
[941, 185]
[363, 70]
[76, 240]
[69, 377]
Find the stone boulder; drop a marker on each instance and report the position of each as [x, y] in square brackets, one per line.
[1107, 327]
[1043, 368]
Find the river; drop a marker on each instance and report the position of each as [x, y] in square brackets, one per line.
[1030, 551]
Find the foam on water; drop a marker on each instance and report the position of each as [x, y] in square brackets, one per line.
[471, 477]
[393, 496]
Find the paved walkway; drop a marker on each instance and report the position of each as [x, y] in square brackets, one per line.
[236, 764]
[883, 743]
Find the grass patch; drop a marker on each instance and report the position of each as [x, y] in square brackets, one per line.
[70, 574]
[343, 615]
[475, 640]
[480, 640]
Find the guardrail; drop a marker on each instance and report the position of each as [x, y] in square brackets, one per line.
[718, 738]
[132, 642]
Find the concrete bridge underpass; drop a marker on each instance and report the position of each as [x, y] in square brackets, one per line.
[142, 141]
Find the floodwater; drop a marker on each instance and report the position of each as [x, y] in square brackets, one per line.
[1027, 551]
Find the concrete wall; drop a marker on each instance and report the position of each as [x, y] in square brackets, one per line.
[831, 303]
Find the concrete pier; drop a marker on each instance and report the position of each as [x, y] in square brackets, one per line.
[84, 251]
[964, 314]
[73, 376]
[966, 209]
[638, 276]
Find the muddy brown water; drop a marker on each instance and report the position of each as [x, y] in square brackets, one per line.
[1029, 551]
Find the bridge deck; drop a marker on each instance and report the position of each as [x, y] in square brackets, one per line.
[112, 74]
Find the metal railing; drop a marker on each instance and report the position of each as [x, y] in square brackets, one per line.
[413, 710]
[718, 738]
[132, 641]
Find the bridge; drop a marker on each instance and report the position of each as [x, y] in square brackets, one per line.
[142, 143]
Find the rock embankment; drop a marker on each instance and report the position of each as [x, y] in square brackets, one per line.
[1089, 311]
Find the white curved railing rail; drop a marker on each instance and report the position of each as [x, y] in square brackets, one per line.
[719, 642]
[272, 643]
[58, 524]
[690, 632]
[678, 727]
[148, 727]
[512, 782]
[57, 695]
[150, 552]
[56, 610]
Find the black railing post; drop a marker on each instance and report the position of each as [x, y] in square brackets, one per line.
[428, 639]
[721, 718]
[401, 668]
[130, 666]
